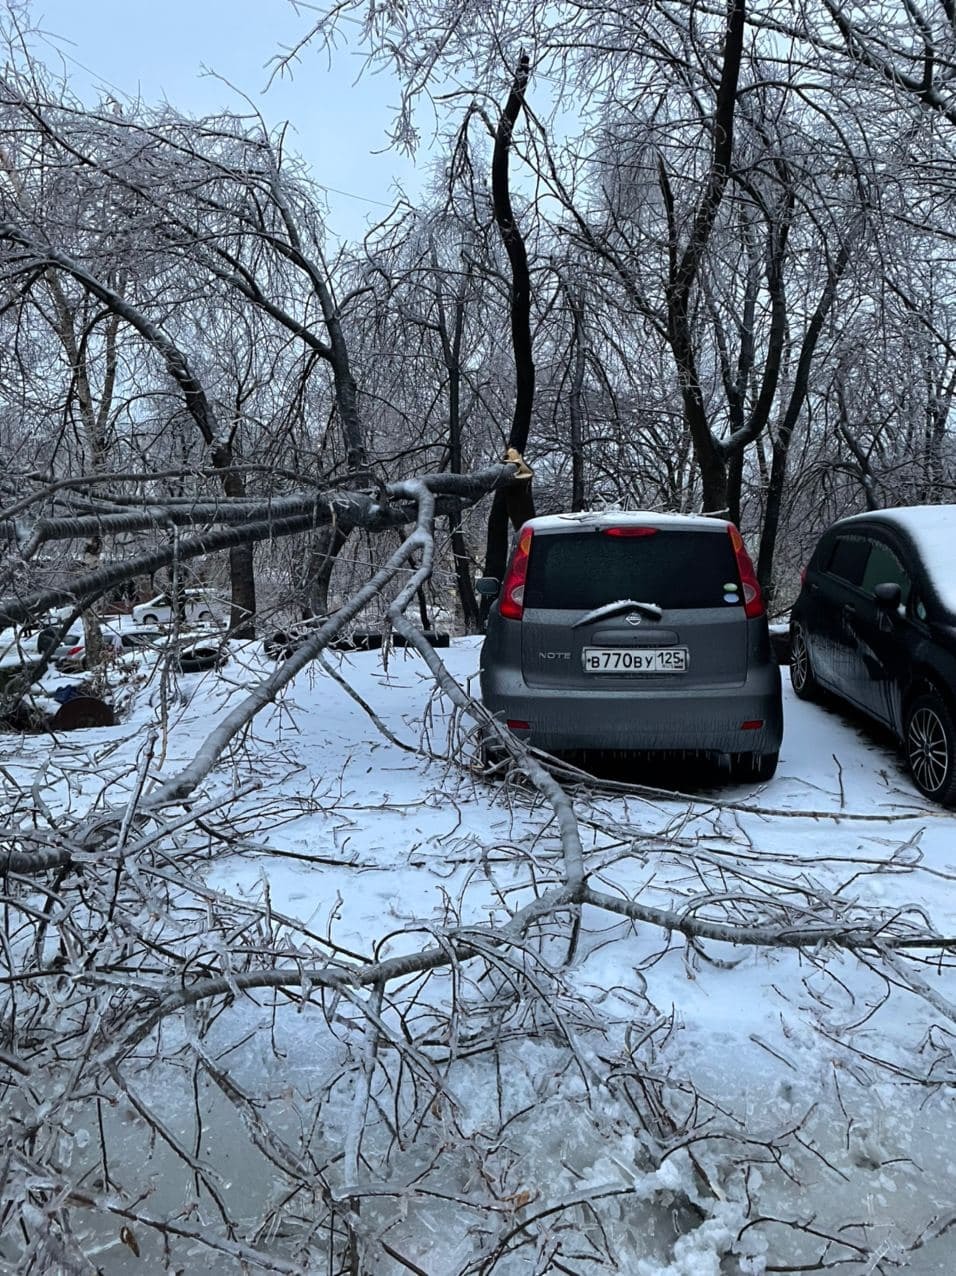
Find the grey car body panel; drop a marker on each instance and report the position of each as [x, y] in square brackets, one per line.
[532, 671]
[716, 644]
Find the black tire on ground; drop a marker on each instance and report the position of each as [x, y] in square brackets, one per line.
[205, 616]
[150, 620]
[753, 767]
[202, 659]
[929, 739]
[802, 678]
[278, 646]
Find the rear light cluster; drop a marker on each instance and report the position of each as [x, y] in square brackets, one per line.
[753, 597]
[512, 593]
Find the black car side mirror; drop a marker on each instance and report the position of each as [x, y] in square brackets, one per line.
[887, 596]
[488, 586]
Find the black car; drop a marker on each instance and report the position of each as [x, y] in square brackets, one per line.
[875, 623]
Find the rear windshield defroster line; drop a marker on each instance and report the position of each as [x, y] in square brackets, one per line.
[674, 569]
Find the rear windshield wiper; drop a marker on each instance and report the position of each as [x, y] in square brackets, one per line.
[651, 610]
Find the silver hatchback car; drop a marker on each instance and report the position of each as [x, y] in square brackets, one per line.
[634, 631]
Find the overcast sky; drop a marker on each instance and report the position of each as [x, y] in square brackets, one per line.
[159, 48]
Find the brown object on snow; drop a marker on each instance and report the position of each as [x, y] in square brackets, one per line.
[82, 711]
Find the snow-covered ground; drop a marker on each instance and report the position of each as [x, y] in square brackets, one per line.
[793, 1106]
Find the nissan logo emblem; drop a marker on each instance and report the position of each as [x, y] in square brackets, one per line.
[633, 618]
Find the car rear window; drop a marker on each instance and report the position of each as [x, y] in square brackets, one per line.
[674, 569]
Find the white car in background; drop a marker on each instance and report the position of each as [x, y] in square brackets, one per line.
[18, 649]
[22, 650]
[199, 608]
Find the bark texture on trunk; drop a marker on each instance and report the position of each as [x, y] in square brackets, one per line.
[685, 265]
[517, 504]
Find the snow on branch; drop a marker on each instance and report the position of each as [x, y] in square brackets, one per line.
[244, 522]
[435, 1044]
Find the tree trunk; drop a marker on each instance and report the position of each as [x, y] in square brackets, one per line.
[193, 392]
[575, 401]
[325, 548]
[451, 350]
[735, 479]
[798, 396]
[685, 266]
[516, 503]
[470, 615]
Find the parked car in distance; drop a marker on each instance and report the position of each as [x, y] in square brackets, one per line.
[875, 624]
[639, 632]
[199, 608]
[19, 650]
[70, 655]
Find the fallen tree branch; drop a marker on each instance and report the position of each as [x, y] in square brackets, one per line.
[254, 522]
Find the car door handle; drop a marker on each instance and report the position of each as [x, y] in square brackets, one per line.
[849, 609]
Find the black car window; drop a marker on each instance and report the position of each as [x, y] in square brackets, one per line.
[848, 560]
[883, 567]
[671, 568]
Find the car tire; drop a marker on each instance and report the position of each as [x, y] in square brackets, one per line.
[802, 678]
[753, 768]
[150, 620]
[929, 739]
[275, 647]
[491, 753]
[280, 646]
[202, 660]
[204, 617]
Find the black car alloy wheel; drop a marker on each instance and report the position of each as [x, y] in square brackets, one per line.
[931, 747]
[801, 674]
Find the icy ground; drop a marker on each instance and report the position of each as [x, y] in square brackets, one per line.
[800, 1101]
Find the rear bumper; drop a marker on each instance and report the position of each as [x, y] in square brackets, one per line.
[704, 719]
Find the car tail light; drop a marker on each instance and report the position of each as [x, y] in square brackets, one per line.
[753, 597]
[803, 575]
[518, 724]
[630, 531]
[512, 594]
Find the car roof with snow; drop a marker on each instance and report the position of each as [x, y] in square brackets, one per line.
[624, 518]
[931, 530]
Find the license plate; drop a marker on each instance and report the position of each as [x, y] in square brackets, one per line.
[636, 659]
